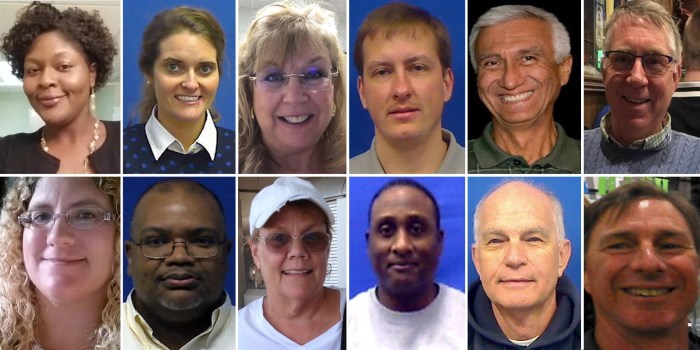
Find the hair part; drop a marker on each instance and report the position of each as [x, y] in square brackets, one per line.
[279, 31]
[400, 18]
[165, 24]
[646, 11]
[85, 31]
[506, 13]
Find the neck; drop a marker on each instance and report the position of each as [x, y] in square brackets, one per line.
[524, 324]
[626, 135]
[279, 307]
[692, 75]
[75, 132]
[610, 336]
[175, 328]
[423, 156]
[69, 325]
[185, 131]
[304, 162]
[532, 141]
[408, 302]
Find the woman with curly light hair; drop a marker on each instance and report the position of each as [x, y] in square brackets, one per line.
[62, 58]
[59, 264]
[291, 96]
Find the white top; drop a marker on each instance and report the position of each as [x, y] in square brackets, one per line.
[137, 334]
[258, 334]
[161, 139]
[440, 325]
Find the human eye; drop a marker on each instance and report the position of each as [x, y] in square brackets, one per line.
[416, 228]
[40, 217]
[618, 246]
[206, 69]
[381, 73]
[84, 214]
[155, 241]
[204, 241]
[172, 67]
[64, 67]
[418, 68]
[278, 239]
[31, 70]
[622, 58]
[386, 229]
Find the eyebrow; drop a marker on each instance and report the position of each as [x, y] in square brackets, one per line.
[268, 63]
[528, 50]
[528, 231]
[177, 60]
[409, 60]
[77, 204]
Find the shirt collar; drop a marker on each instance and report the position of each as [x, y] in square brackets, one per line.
[652, 142]
[160, 139]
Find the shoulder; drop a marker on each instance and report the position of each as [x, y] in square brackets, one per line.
[365, 163]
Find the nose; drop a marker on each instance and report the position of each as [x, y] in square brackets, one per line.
[190, 81]
[60, 233]
[179, 255]
[402, 243]
[637, 77]
[647, 260]
[294, 91]
[47, 78]
[512, 76]
[402, 85]
[297, 249]
[515, 255]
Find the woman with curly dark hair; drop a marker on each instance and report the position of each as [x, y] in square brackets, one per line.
[62, 57]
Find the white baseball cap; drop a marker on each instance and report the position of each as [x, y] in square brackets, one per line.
[284, 190]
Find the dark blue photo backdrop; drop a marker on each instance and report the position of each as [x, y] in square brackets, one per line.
[448, 192]
[223, 187]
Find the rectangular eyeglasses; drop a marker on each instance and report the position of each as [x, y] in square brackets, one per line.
[653, 63]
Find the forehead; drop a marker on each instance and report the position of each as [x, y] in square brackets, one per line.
[297, 211]
[62, 191]
[177, 207]
[516, 203]
[402, 199]
[642, 217]
[189, 46]
[399, 43]
[310, 51]
[637, 31]
[516, 34]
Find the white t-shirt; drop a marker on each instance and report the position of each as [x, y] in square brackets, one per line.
[440, 325]
[256, 333]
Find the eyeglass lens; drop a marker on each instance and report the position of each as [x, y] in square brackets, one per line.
[282, 242]
[313, 79]
[654, 64]
[81, 218]
[196, 247]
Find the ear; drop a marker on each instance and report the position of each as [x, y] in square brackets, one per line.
[564, 255]
[367, 236]
[254, 252]
[565, 70]
[448, 80]
[361, 90]
[129, 249]
[93, 74]
[475, 258]
[677, 75]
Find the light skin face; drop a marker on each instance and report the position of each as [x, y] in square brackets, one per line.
[67, 264]
[638, 101]
[185, 77]
[641, 269]
[179, 282]
[293, 120]
[517, 254]
[403, 86]
[518, 78]
[404, 242]
[298, 274]
[57, 79]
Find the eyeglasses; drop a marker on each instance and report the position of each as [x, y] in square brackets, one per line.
[163, 247]
[653, 63]
[80, 218]
[282, 242]
[314, 79]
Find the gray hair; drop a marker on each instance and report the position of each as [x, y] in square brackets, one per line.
[558, 210]
[650, 12]
[506, 13]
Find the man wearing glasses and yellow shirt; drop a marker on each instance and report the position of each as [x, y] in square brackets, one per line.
[641, 70]
[178, 258]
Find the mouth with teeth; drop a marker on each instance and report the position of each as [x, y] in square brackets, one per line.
[188, 99]
[296, 272]
[636, 101]
[647, 292]
[516, 98]
[295, 119]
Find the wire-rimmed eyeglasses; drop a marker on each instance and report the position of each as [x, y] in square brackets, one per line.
[282, 242]
[80, 218]
[653, 63]
[314, 79]
[163, 247]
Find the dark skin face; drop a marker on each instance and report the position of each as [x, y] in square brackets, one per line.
[404, 245]
[177, 293]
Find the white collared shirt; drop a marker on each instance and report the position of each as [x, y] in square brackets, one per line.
[160, 139]
[138, 334]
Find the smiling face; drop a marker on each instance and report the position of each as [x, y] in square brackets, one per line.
[185, 78]
[293, 119]
[178, 282]
[518, 254]
[57, 79]
[404, 242]
[638, 101]
[518, 78]
[641, 269]
[403, 86]
[298, 273]
[67, 264]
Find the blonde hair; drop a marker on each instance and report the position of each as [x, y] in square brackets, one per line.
[19, 317]
[281, 29]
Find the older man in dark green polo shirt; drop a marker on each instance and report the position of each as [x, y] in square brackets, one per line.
[521, 55]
